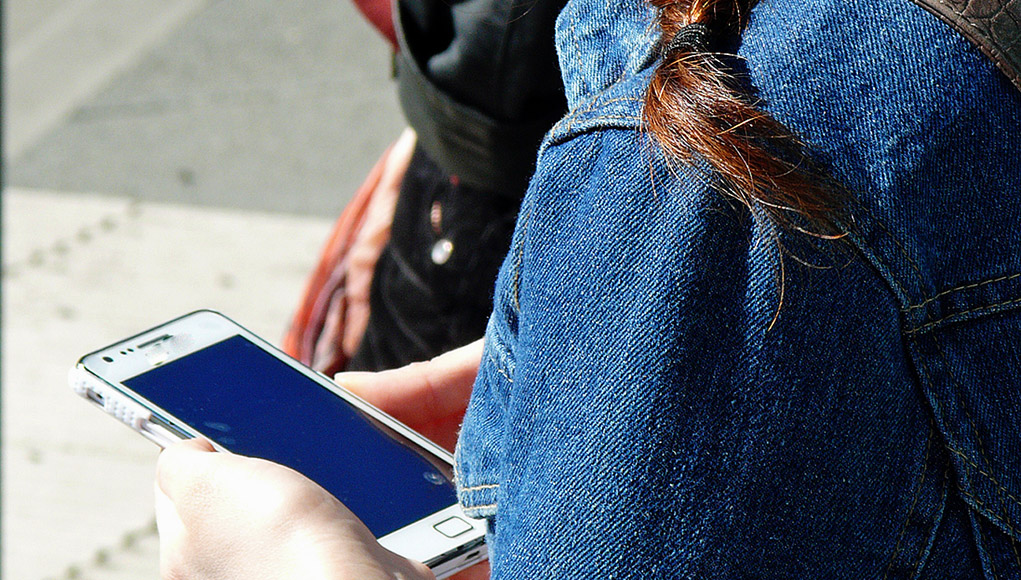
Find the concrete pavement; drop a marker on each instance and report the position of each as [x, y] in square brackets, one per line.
[82, 271]
[279, 106]
[160, 156]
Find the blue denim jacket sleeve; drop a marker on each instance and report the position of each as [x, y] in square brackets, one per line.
[673, 389]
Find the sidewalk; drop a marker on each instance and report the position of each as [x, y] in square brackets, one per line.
[275, 109]
[81, 271]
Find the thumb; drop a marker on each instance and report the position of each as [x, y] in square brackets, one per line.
[181, 469]
[437, 388]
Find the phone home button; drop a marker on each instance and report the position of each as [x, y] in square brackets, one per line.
[452, 527]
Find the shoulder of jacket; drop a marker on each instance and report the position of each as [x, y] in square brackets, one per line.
[617, 107]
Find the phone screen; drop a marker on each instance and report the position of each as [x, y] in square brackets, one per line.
[252, 403]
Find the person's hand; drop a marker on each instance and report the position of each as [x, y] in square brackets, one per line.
[224, 516]
[430, 397]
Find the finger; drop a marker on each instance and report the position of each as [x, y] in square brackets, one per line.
[171, 528]
[437, 388]
[183, 468]
[167, 521]
[479, 571]
[198, 444]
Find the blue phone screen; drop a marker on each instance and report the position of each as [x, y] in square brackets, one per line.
[253, 404]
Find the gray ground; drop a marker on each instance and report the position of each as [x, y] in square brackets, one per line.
[281, 106]
[160, 156]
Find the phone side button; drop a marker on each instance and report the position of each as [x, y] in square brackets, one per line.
[452, 527]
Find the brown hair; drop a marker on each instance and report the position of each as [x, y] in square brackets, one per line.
[695, 110]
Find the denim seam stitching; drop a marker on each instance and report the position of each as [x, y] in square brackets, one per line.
[886, 273]
[938, 407]
[914, 501]
[932, 390]
[499, 368]
[597, 102]
[900, 246]
[920, 560]
[991, 515]
[573, 116]
[482, 507]
[985, 542]
[481, 487]
[960, 288]
[968, 461]
[519, 253]
[896, 241]
[892, 278]
[978, 469]
[983, 456]
[950, 317]
[914, 265]
[616, 118]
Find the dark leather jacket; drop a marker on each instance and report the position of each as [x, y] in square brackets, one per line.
[480, 83]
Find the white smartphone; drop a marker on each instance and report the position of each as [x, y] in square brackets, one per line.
[204, 375]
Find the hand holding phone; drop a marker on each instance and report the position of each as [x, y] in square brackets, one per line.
[203, 375]
[431, 397]
[224, 516]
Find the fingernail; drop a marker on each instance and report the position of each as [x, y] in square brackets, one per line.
[351, 377]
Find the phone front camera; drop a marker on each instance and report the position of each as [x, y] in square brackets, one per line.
[108, 359]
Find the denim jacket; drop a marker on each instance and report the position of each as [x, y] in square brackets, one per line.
[673, 389]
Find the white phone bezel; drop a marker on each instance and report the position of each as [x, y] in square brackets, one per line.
[99, 377]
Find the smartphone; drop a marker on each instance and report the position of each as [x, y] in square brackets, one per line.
[203, 375]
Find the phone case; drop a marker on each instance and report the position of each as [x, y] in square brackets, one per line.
[132, 414]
